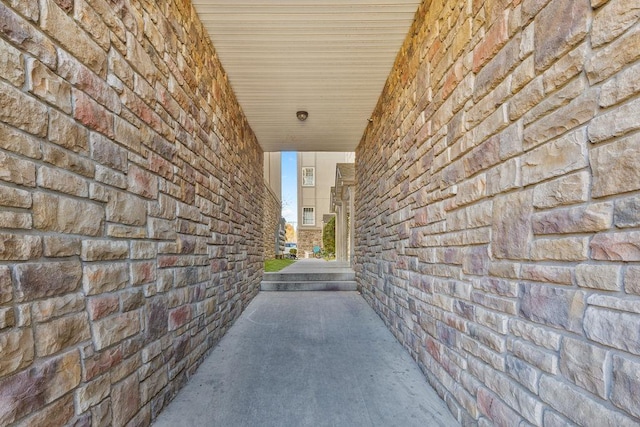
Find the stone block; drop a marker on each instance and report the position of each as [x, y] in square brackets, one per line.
[598, 276]
[126, 209]
[59, 180]
[92, 23]
[612, 20]
[143, 272]
[102, 278]
[632, 280]
[67, 160]
[59, 413]
[6, 285]
[143, 250]
[32, 389]
[11, 64]
[41, 280]
[107, 152]
[17, 220]
[564, 69]
[102, 305]
[18, 350]
[64, 131]
[48, 86]
[538, 357]
[142, 182]
[47, 309]
[585, 365]
[512, 225]
[179, 317]
[92, 393]
[623, 246]
[14, 197]
[114, 329]
[55, 22]
[104, 250]
[558, 157]
[559, 27]
[85, 80]
[14, 247]
[491, 43]
[526, 99]
[61, 246]
[621, 87]
[523, 373]
[497, 68]
[577, 406]
[609, 59]
[66, 215]
[565, 190]
[625, 386]
[125, 400]
[617, 122]
[91, 114]
[613, 328]
[17, 171]
[553, 306]
[560, 249]
[161, 229]
[24, 35]
[585, 219]
[61, 333]
[615, 167]
[496, 410]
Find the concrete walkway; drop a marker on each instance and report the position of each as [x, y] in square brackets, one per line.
[307, 359]
[314, 265]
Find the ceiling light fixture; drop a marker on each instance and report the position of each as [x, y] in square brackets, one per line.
[302, 115]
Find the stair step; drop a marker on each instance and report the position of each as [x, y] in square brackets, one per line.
[309, 277]
[310, 285]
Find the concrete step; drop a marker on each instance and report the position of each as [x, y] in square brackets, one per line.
[310, 277]
[312, 285]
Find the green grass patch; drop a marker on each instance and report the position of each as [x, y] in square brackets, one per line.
[272, 265]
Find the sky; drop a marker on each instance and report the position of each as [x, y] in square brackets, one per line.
[290, 187]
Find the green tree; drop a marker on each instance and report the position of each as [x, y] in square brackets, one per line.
[329, 236]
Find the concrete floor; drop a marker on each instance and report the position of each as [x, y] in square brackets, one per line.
[307, 359]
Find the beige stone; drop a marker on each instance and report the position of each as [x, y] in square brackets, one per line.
[16, 220]
[612, 20]
[48, 86]
[65, 132]
[560, 249]
[620, 121]
[615, 167]
[62, 214]
[511, 225]
[64, 29]
[93, 393]
[61, 246]
[61, 333]
[14, 247]
[104, 250]
[58, 180]
[616, 246]
[599, 276]
[622, 86]
[584, 219]
[18, 350]
[114, 329]
[558, 157]
[127, 209]
[40, 280]
[566, 190]
[611, 58]
[24, 35]
[11, 64]
[14, 197]
[17, 170]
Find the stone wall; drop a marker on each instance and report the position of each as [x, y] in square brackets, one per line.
[307, 239]
[498, 208]
[272, 213]
[131, 218]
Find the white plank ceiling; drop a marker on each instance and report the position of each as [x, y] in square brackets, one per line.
[330, 58]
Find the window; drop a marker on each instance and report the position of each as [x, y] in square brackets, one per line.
[308, 177]
[308, 216]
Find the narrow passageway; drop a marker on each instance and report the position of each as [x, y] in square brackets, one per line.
[307, 359]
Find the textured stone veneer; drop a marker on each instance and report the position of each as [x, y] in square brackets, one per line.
[131, 193]
[272, 212]
[498, 208]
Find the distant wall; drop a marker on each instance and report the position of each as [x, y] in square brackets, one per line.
[131, 194]
[272, 213]
[498, 208]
